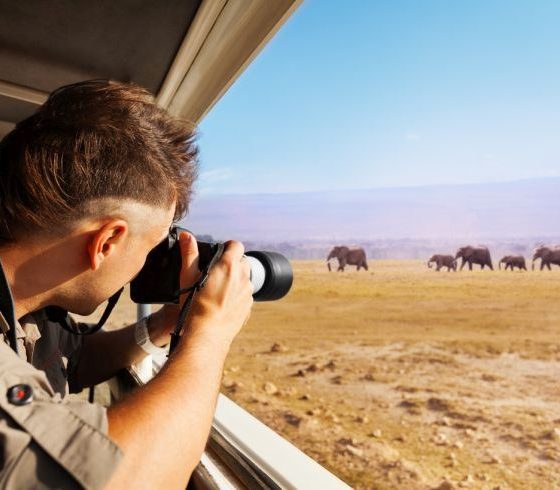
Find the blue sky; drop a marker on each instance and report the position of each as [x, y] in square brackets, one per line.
[361, 94]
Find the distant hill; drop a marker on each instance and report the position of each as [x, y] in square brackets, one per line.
[520, 210]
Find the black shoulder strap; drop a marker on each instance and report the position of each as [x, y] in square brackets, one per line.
[7, 308]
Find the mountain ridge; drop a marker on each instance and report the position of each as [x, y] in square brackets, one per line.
[518, 209]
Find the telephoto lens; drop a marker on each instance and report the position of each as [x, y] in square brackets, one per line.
[271, 275]
[158, 281]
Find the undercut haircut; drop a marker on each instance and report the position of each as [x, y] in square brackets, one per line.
[89, 141]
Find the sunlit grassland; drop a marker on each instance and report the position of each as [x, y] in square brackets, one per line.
[402, 331]
[406, 301]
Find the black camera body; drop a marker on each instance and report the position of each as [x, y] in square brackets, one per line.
[158, 281]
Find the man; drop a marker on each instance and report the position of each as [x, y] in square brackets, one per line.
[88, 186]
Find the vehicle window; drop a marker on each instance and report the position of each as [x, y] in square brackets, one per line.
[402, 130]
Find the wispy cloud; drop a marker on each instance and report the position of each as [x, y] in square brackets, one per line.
[412, 136]
[210, 181]
[216, 175]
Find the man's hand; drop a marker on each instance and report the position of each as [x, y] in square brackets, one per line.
[222, 306]
[226, 295]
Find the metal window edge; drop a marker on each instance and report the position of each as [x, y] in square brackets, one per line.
[245, 452]
[197, 81]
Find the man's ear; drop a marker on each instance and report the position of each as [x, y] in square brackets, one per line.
[104, 240]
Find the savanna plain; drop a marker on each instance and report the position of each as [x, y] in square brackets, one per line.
[403, 377]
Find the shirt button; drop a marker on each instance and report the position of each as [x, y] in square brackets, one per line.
[21, 394]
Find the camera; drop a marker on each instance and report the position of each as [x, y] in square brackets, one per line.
[158, 280]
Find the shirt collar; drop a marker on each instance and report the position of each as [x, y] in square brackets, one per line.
[29, 327]
[25, 329]
[5, 327]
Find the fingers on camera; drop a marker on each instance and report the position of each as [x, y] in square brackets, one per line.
[233, 252]
[233, 257]
[188, 243]
[247, 274]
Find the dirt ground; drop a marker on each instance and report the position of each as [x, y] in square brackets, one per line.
[402, 377]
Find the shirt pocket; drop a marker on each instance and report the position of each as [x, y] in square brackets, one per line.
[30, 467]
[66, 445]
[13, 443]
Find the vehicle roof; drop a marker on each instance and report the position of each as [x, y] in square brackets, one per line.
[186, 52]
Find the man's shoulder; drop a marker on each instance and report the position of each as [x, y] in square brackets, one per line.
[15, 370]
[43, 430]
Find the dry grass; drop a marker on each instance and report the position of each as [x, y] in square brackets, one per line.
[433, 376]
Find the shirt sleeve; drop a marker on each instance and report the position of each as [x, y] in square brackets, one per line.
[50, 442]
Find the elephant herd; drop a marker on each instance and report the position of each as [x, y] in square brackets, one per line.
[470, 255]
[481, 256]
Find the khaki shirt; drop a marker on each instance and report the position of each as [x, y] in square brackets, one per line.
[52, 442]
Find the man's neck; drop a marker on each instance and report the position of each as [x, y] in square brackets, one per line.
[21, 277]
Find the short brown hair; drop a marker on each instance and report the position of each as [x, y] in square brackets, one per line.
[92, 140]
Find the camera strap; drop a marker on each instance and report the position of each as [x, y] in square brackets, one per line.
[192, 290]
[60, 316]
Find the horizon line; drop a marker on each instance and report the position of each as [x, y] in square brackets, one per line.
[388, 187]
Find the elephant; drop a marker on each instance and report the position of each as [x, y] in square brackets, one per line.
[547, 255]
[348, 256]
[474, 255]
[513, 261]
[443, 261]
